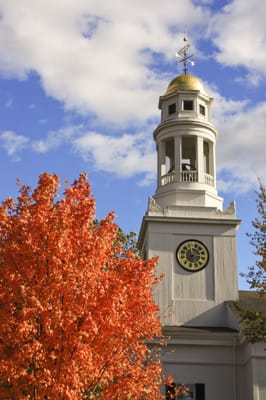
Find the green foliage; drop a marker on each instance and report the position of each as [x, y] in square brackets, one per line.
[255, 322]
[257, 273]
[128, 241]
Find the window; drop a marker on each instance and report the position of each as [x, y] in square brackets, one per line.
[188, 105]
[172, 108]
[202, 109]
[200, 391]
[176, 391]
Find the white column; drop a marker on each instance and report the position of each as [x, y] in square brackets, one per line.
[161, 168]
[200, 159]
[178, 155]
[213, 163]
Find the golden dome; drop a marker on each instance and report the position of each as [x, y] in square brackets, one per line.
[184, 82]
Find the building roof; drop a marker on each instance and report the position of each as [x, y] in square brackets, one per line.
[176, 331]
[184, 82]
[248, 301]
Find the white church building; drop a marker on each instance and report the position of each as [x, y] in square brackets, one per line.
[195, 239]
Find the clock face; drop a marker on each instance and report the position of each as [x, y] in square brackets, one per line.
[192, 255]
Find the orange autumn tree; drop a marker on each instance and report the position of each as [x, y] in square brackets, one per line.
[76, 307]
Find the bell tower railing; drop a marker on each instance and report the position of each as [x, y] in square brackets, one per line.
[189, 176]
[186, 177]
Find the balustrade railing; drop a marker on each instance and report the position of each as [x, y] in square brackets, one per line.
[209, 179]
[189, 176]
[168, 178]
[186, 176]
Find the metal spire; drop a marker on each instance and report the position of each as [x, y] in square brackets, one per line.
[185, 58]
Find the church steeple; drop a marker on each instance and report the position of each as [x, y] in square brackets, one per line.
[186, 140]
[184, 224]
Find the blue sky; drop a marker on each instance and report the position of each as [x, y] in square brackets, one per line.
[79, 88]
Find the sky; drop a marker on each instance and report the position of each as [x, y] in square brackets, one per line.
[79, 88]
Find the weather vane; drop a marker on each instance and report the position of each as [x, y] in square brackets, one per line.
[185, 57]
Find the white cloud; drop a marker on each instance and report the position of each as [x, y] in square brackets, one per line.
[54, 139]
[93, 55]
[239, 32]
[240, 150]
[123, 156]
[13, 143]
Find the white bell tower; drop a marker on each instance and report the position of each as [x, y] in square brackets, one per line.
[185, 225]
[186, 141]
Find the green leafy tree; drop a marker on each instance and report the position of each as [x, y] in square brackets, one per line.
[255, 321]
